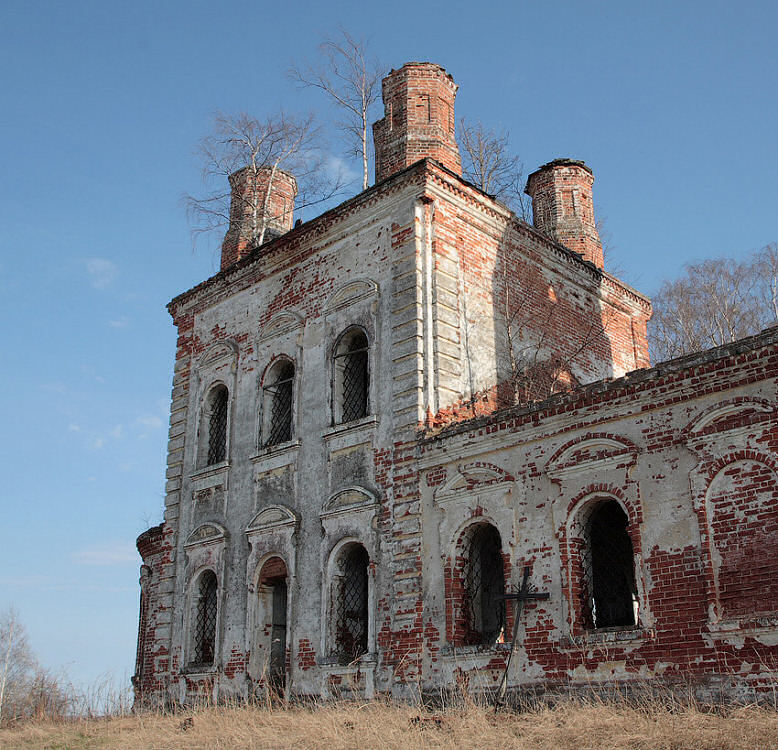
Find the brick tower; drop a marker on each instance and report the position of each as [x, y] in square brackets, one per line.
[250, 205]
[418, 120]
[562, 208]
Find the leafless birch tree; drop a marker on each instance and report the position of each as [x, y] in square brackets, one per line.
[715, 302]
[489, 165]
[352, 80]
[16, 660]
[27, 690]
[279, 142]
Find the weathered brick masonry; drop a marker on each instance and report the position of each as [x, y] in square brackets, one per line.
[351, 491]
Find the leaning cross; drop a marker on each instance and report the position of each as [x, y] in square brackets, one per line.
[524, 594]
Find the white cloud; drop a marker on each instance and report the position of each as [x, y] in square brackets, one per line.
[74, 428]
[101, 271]
[116, 432]
[107, 553]
[337, 168]
[121, 322]
[98, 443]
[150, 421]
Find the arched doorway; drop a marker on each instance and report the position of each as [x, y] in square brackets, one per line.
[271, 633]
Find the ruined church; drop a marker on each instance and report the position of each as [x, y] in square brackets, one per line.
[416, 443]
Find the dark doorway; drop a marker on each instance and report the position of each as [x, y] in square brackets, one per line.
[272, 641]
[278, 637]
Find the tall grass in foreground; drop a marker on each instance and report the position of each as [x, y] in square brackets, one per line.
[579, 724]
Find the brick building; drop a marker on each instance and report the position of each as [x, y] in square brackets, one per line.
[352, 488]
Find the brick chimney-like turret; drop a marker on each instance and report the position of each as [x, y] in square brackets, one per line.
[248, 208]
[418, 120]
[562, 208]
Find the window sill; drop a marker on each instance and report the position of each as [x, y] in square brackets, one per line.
[198, 670]
[347, 427]
[331, 664]
[610, 637]
[207, 471]
[276, 450]
[475, 649]
[754, 624]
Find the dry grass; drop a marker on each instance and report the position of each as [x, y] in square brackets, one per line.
[375, 725]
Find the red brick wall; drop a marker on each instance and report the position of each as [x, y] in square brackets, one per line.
[419, 120]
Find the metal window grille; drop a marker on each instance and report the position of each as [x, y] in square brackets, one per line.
[279, 394]
[217, 427]
[353, 363]
[484, 585]
[205, 620]
[350, 605]
[608, 568]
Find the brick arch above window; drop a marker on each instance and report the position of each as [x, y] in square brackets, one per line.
[281, 323]
[218, 353]
[351, 292]
[591, 452]
[728, 415]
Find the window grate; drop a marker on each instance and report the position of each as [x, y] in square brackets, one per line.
[483, 581]
[352, 362]
[205, 620]
[280, 396]
[350, 605]
[608, 567]
[217, 427]
[354, 386]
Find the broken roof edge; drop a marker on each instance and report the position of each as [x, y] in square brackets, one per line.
[644, 375]
[350, 203]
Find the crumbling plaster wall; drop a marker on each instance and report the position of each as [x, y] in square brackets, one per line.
[302, 304]
[412, 262]
[657, 447]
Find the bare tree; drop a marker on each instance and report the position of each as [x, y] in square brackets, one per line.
[715, 302]
[27, 690]
[16, 660]
[278, 143]
[489, 165]
[538, 362]
[353, 82]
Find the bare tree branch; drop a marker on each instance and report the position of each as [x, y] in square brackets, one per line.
[279, 142]
[353, 83]
[715, 302]
[488, 164]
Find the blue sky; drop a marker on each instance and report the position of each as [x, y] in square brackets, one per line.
[673, 104]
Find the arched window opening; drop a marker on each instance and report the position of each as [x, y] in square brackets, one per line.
[278, 396]
[350, 604]
[204, 631]
[609, 590]
[351, 376]
[483, 585]
[217, 425]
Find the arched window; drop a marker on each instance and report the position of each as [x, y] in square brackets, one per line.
[482, 581]
[216, 418]
[608, 567]
[352, 380]
[204, 625]
[278, 399]
[350, 603]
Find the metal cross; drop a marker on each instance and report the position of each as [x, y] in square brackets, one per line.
[524, 594]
